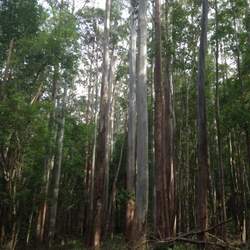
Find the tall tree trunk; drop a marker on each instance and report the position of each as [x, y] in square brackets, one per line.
[89, 226]
[169, 158]
[56, 174]
[49, 161]
[142, 129]
[187, 159]
[130, 181]
[247, 129]
[203, 171]
[222, 205]
[83, 219]
[242, 177]
[102, 139]
[109, 135]
[111, 209]
[162, 221]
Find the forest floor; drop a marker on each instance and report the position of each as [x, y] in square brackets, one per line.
[120, 244]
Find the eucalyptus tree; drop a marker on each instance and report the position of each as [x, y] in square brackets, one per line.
[90, 19]
[169, 176]
[67, 172]
[131, 155]
[202, 185]
[56, 175]
[218, 128]
[162, 216]
[101, 162]
[141, 201]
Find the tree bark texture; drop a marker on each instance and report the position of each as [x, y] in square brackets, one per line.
[169, 175]
[222, 205]
[203, 171]
[130, 178]
[56, 174]
[162, 218]
[101, 162]
[142, 129]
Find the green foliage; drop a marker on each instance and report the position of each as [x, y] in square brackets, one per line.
[19, 18]
[116, 243]
[184, 247]
[50, 41]
[177, 246]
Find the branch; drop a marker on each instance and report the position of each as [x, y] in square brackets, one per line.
[183, 237]
[221, 244]
[208, 229]
[38, 94]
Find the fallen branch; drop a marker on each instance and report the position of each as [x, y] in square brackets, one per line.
[184, 238]
[221, 243]
[207, 230]
[195, 232]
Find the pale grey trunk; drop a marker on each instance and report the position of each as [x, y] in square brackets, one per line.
[110, 130]
[130, 181]
[92, 181]
[94, 139]
[29, 228]
[142, 125]
[112, 90]
[55, 183]
[172, 177]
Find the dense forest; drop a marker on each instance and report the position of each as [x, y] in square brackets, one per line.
[124, 124]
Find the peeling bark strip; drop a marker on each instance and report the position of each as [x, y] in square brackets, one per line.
[202, 178]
